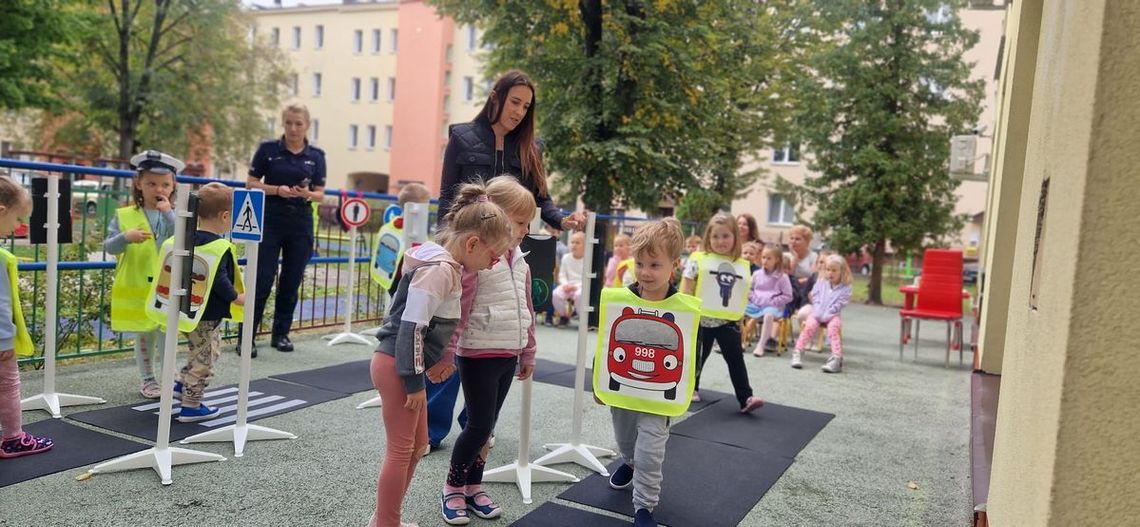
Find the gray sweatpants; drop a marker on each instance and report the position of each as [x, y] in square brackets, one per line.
[641, 439]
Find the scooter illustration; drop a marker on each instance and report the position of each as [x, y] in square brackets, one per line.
[726, 277]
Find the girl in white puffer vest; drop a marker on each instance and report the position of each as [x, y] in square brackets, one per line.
[493, 343]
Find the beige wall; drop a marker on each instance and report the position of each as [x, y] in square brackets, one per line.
[1065, 449]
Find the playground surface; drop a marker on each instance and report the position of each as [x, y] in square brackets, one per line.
[896, 452]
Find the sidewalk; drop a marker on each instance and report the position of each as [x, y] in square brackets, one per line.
[895, 422]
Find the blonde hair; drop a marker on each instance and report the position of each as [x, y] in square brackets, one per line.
[473, 214]
[787, 257]
[13, 195]
[756, 246]
[693, 239]
[620, 238]
[804, 231]
[578, 236]
[776, 253]
[722, 219]
[136, 190]
[844, 271]
[662, 237]
[413, 193]
[213, 199]
[506, 192]
[296, 107]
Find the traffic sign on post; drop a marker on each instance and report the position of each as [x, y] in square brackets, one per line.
[247, 214]
[354, 212]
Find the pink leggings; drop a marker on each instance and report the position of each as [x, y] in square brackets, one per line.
[833, 327]
[406, 433]
[9, 398]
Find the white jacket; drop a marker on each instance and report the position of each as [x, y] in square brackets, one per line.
[499, 317]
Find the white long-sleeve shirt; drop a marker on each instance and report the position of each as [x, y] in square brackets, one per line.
[570, 270]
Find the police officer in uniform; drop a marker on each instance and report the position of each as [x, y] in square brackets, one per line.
[292, 174]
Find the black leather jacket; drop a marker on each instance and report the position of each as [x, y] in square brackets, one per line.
[471, 157]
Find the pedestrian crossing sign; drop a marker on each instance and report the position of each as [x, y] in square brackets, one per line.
[247, 215]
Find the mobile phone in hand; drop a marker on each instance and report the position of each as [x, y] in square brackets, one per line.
[305, 183]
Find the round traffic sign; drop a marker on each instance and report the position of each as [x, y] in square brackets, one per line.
[354, 212]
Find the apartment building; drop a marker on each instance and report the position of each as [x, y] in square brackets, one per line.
[775, 214]
[382, 81]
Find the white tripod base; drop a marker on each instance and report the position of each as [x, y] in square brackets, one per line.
[52, 402]
[524, 473]
[371, 332]
[239, 435]
[351, 338]
[159, 459]
[371, 403]
[584, 455]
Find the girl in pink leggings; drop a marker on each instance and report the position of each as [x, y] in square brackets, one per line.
[414, 337]
[831, 293]
[14, 338]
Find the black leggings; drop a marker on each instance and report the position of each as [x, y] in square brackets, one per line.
[485, 385]
[728, 336]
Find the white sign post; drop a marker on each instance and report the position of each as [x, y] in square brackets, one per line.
[247, 219]
[51, 401]
[575, 451]
[355, 213]
[162, 457]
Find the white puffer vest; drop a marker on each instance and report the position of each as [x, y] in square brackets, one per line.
[500, 315]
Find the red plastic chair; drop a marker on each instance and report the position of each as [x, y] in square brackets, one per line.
[939, 298]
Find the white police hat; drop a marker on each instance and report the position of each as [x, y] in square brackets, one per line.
[155, 161]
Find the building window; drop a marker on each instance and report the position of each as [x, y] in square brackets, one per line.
[316, 85]
[319, 37]
[472, 39]
[388, 137]
[316, 128]
[395, 38]
[275, 37]
[789, 154]
[391, 89]
[357, 41]
[374, 89]
[355, 89]
[296, 37]
[450, 51]
[780, 212]
[371, 136]
[375, 41]
[352, 136]
[468, 88]
[293, 85]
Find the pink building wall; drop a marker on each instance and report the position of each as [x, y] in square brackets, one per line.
[419, 117]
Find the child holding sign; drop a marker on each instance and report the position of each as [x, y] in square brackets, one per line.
[655, 366]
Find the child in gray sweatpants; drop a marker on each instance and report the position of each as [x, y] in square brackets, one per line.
[641, 437]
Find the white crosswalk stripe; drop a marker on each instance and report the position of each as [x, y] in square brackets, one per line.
[254, 413]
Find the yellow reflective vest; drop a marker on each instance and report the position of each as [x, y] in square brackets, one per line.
[23, 341]
[646, 358]
[722, 285]
[623, 267]
[207, 259]
[387, 253]
[134, 274]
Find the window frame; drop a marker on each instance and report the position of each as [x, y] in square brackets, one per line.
[785, 207]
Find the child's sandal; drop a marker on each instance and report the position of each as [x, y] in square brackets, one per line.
[488, 511]
[454, 516]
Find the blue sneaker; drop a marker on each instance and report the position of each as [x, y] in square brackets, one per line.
[622, 478]
[454, 516]
[178, 390]
[487, 512]
[644, 518]
[193, 415]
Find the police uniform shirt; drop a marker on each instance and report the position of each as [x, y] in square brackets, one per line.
[274, 165]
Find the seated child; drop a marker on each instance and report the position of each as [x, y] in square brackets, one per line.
[771, 292]
[615, 271]
[569, 289]
[751, 251]
[830, 294]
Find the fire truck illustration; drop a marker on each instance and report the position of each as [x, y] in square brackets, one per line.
[386, 253]
[726, 277]
[197, 284]
[646, 352]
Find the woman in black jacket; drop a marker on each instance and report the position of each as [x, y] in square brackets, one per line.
[501, 140]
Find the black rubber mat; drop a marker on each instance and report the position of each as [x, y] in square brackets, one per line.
[554, 515]
[775, 429]
[74, 447]
[347, 378]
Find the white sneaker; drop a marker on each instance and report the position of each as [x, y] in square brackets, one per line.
[797, 363]
[759, 351]
[833, 365]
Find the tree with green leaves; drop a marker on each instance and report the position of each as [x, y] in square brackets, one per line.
[33, 33]
[168, 74]
[643, 100]
[877, 108]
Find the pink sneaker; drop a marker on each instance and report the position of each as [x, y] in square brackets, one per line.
[24, 444]
[751, 404]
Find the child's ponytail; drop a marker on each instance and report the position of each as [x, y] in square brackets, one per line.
[473, 213]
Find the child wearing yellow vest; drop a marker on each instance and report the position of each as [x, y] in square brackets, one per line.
[223, 295]
[14, 338]
[134, 236]
[620, 263]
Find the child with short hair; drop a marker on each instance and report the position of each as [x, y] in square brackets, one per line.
[831, 293]
[215, 201]
[641, 436]
[751, 251]
[15, 341]
[771, 292]
[569, 288]
[493, 344]
[617, 266]
[414, 337]
[134, 235]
